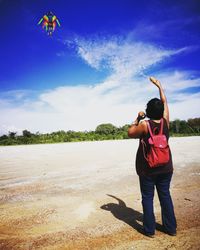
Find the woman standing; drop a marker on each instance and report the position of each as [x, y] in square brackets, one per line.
[160, 177]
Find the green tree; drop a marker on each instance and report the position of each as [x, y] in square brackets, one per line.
[194, 124]
[106, 129]
[26, 133]
[3, 137]
[177, 125]
[12, 135]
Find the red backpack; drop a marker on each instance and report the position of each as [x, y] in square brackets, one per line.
[158, 155]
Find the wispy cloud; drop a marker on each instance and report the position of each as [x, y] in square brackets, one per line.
[154, 32]
[121, 55]
[117, 99]
[60, 54]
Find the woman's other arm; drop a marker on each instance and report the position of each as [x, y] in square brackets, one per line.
[138, 128]
[162, 98]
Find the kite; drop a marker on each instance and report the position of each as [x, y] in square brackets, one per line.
[49, 22]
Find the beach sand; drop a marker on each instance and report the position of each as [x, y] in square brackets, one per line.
[86, 196]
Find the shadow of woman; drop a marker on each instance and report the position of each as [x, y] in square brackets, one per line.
[126, 214]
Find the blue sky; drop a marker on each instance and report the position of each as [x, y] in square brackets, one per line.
[95, 67]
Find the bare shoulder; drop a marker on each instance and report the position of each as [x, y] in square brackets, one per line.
[138, 131]
[144, 127]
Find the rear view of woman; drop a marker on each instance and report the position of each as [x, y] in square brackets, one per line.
[160, 176]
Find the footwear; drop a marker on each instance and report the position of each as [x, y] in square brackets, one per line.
[150, 235]
[171, 234]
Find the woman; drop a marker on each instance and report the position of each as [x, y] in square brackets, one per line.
[159, 177]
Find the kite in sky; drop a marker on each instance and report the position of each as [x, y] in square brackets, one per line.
[49, 22]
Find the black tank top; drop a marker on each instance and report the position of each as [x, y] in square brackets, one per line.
[142, 167]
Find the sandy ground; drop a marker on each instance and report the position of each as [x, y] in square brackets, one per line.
[86, 196]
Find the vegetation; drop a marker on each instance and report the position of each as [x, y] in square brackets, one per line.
[102, 132]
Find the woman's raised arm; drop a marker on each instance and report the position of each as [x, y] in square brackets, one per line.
[162, 98]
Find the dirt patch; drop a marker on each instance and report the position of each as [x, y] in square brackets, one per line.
[80, 207]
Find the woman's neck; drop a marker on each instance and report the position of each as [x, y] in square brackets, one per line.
[157, 121]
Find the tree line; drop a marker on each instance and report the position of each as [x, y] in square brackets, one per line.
[102, 132]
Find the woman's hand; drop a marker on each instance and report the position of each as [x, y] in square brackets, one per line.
[155, 81]
[141, 115]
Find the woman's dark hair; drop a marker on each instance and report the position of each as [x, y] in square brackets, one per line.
[155, 109]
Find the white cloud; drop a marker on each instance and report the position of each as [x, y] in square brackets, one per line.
[121, 56]
[117, 99]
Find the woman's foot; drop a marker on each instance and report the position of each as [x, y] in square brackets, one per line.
[150, 235]
[171, 234]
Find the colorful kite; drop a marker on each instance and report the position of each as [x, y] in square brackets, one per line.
[49, 22]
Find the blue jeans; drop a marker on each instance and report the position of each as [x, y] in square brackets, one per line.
[162, 183]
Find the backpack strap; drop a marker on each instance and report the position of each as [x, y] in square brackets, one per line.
[161, 126]
[149, 128]
[144, 146]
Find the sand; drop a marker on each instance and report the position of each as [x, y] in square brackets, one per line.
[86, 196]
